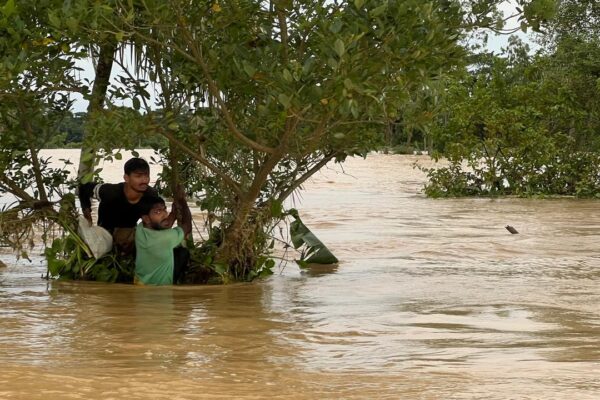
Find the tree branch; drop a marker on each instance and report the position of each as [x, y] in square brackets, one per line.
[66, 89]
[297, 183]
[230, 182]
[137, 83]
[166, 93]
[284, 31]
[317, 134]
[13, 188]
[249, 198]
[101, 81]
[214, 90]
[35, 162]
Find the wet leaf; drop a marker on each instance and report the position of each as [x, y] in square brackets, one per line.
[302, 236]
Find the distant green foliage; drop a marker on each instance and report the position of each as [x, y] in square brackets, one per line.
[563, 173]
[70, 133]
[522, 124]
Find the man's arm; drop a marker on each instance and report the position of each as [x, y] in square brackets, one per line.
[186, 216]
[178, 195]
[98, 190]
[180, 208]
[85, 192]
[173, 214]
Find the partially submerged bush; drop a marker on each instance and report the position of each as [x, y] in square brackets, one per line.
[563, 173]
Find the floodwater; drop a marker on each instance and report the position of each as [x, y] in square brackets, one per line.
[432, 299]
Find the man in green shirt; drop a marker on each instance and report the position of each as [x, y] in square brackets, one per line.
[159, 260]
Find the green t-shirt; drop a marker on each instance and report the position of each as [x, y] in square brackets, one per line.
[154, 254]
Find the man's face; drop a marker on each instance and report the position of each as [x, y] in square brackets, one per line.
[157, 217]
[138, 180]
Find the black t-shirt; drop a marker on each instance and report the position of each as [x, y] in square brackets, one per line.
[114, 211]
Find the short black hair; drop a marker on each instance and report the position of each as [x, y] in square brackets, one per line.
[136, 164]
[147, 203]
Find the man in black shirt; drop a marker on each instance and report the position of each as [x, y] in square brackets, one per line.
[120, 206]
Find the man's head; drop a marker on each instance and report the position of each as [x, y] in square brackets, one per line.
[137, 174]
[154, 212]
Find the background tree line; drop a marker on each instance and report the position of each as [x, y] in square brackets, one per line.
[71, 130]
[525, 124]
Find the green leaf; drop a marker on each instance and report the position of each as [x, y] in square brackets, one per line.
[307, 67]
[220, 269]
[9, 8]
[136, 103]
[276, 209]
[248, 69]
[322, 256]
[524, 26]
[359, 3]
[284, 100]
[56, 267]
[377, 11]
[287, 76]
[87, 156]
[339, 47]
[336, 26]
[54, 19]
[267, 268]
[87, 177]
[72, 24]
[265, 272]
[301, 235]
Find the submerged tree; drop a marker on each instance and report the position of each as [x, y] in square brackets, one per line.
[526, 124]
[259, 96]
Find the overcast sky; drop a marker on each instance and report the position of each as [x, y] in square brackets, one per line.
[496, 42]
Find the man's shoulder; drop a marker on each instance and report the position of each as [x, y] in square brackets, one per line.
[151, 191]
[165, 239]
[112, 186]
[110, 190]
[151, 234]
[142, 235]
[167, 232]
[157, 232]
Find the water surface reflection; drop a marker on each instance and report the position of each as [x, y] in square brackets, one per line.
[433, 299]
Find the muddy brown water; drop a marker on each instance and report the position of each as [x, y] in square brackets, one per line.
[432, 299]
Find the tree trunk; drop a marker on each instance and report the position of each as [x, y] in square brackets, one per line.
[233, 233]
[101, 82]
